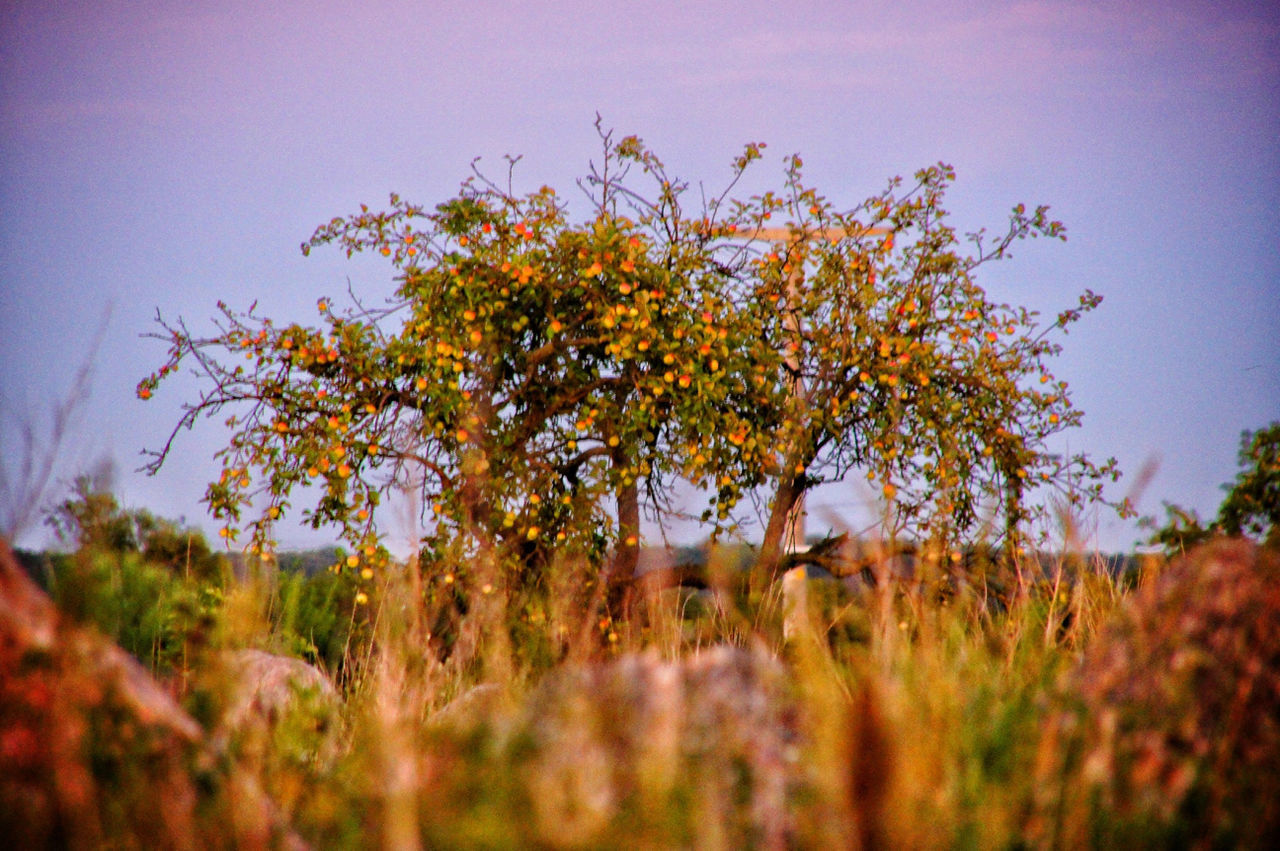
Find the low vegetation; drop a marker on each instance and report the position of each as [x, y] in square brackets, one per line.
[1089, 707]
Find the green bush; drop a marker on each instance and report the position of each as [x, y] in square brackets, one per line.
[316, 618]
[142, 606]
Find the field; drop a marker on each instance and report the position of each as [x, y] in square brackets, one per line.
[1065, 701]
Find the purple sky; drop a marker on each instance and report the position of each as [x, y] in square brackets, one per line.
[167, 154]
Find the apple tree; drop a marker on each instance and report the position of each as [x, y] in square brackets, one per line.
[539, 383]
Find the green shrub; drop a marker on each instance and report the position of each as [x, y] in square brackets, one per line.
[316, 618]
[140, 605]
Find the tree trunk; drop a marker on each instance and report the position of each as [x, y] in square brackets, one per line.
[775, 533]
[621, 573]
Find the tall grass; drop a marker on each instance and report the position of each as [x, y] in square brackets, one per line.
[1015, 705]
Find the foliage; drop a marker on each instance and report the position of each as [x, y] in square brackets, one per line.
[159, 592]
[1251, 506]
[91, 518]
[140, 605]
[318, 619]
[148, 585]
[537, 383]
[1183, 530]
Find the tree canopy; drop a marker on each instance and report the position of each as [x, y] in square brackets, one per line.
[539, 383]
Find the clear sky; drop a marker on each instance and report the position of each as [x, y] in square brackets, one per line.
[163, 155]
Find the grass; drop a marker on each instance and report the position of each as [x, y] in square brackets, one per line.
[1078, 708]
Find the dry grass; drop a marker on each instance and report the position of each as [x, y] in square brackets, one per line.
[1078, 708]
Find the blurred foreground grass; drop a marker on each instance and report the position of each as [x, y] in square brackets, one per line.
[1054, 703]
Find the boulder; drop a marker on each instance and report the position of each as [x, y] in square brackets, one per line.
[95, 752]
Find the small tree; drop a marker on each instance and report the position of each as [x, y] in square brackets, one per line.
[540, 384]
[91, 518]
[1252, 504]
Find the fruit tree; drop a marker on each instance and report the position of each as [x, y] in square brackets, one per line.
[540, 383]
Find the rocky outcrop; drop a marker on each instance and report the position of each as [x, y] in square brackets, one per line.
[94, 752]
[266, 688]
